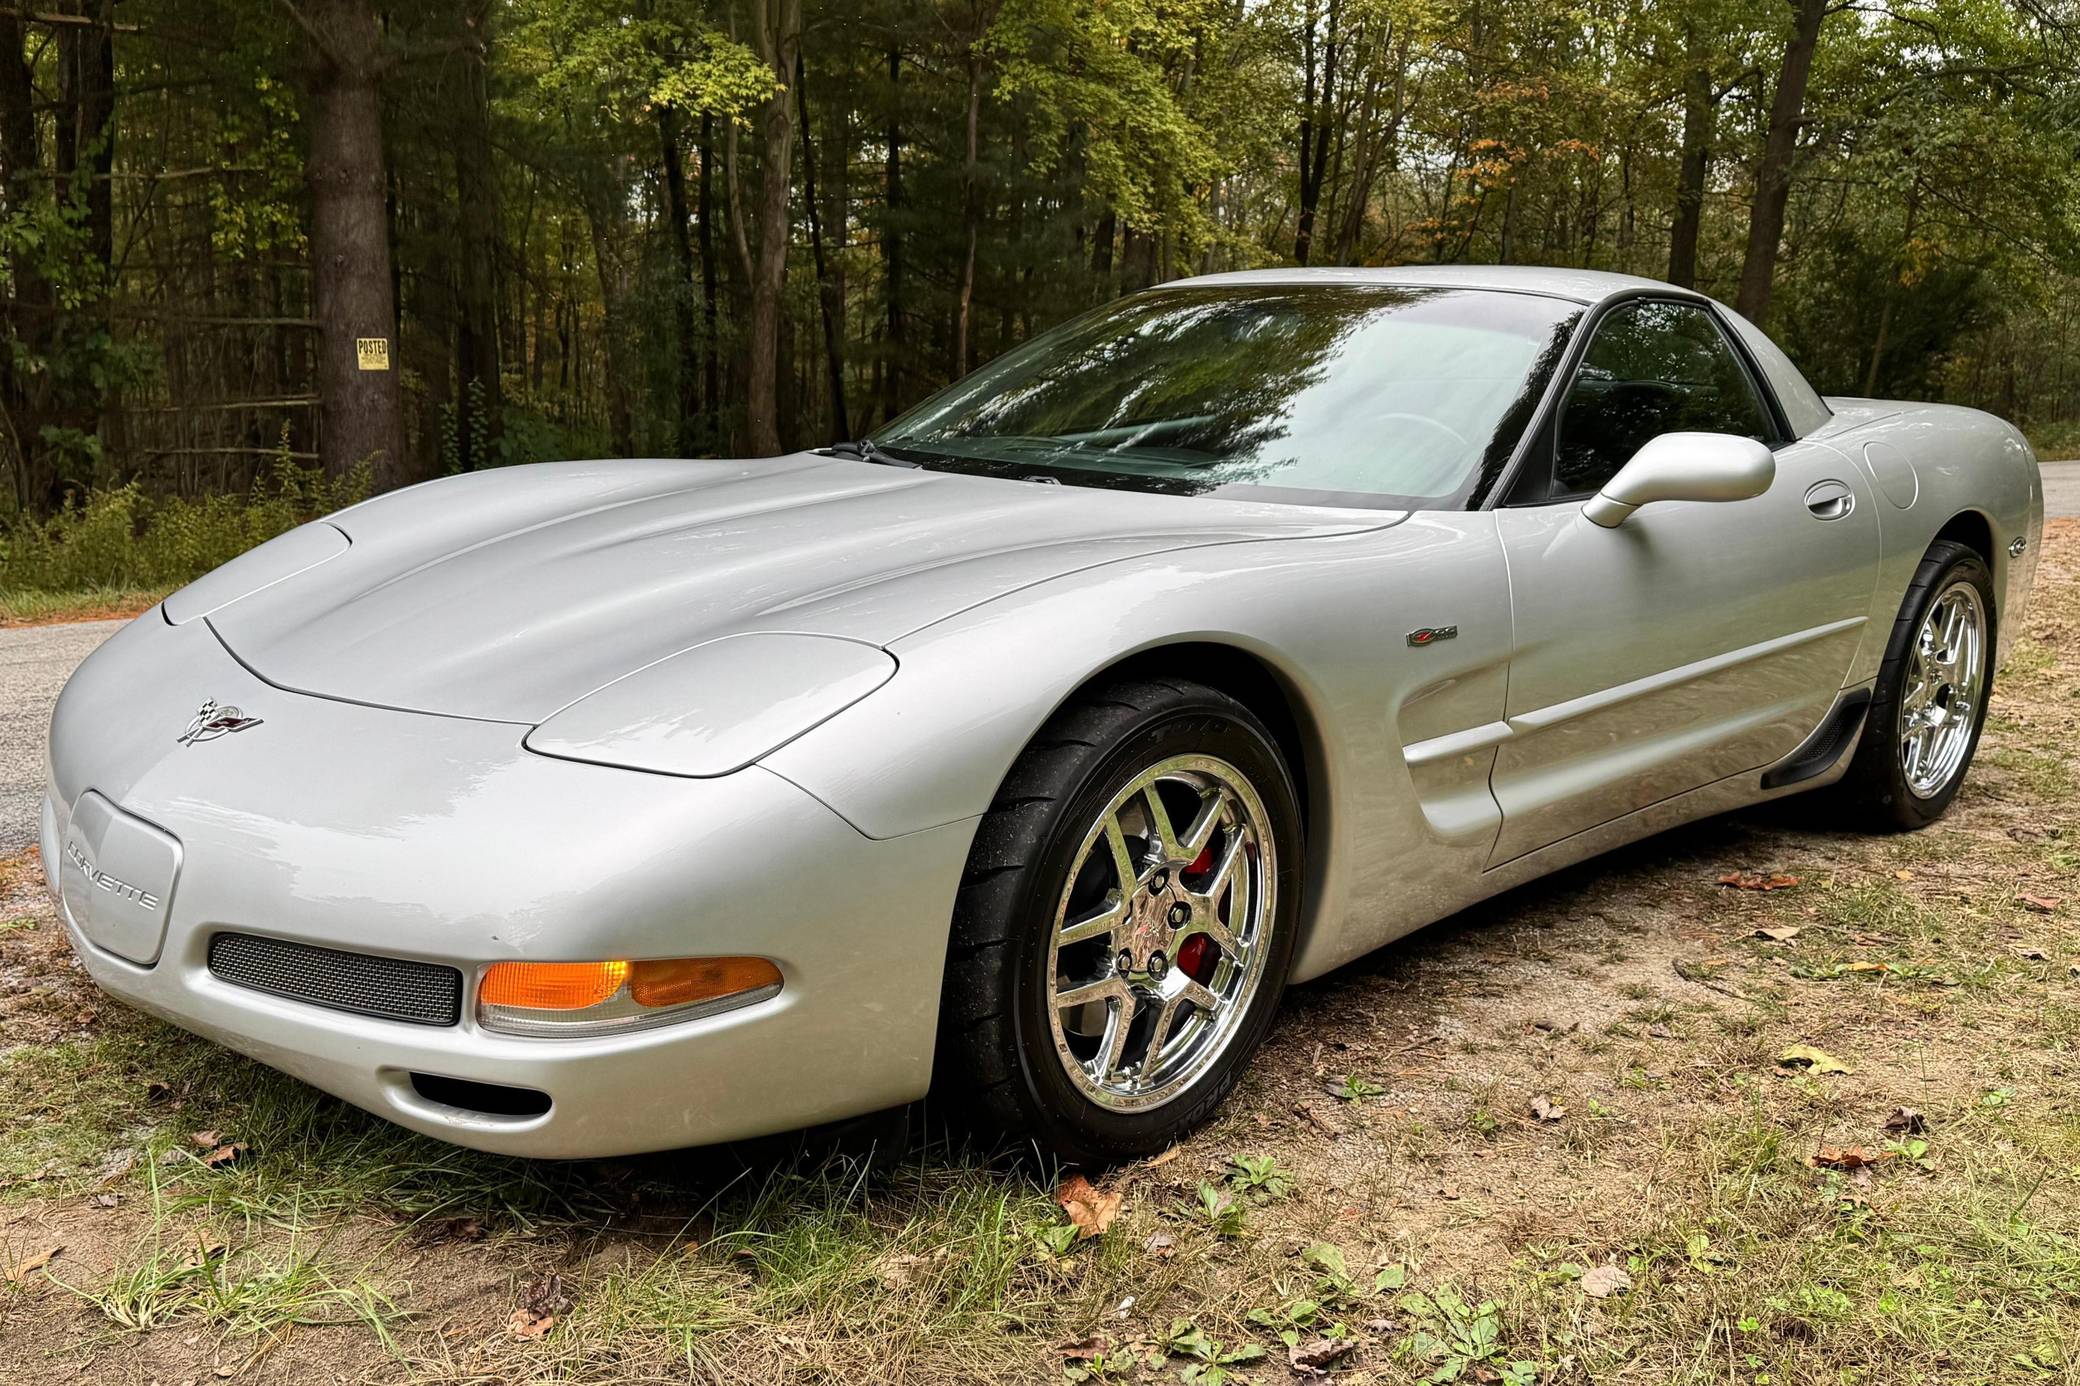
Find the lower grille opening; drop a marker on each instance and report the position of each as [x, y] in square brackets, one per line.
[492, 1099]
[416, 993]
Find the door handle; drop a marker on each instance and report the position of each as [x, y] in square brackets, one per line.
[1830, 500]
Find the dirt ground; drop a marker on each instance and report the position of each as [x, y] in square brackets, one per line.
[1756, 1101]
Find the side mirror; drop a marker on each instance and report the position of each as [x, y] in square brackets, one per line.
[1684, 466]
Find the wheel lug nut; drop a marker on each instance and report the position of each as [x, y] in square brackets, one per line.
[1126, 961]
[1160, 881]
[1158, 965]
[1180, 915]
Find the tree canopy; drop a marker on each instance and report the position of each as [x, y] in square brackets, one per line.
[420, 239]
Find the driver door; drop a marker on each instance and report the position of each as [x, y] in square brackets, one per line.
[1694, 641]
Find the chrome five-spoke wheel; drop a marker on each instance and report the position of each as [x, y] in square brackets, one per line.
[1125, 924]
[1939, 704]
[1160, 936]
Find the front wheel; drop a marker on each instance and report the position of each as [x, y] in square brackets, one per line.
[1931, 695]
[1125, 924]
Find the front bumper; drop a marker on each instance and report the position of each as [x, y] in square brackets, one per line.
[442, 840]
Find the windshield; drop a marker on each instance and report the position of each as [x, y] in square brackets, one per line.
[1326, 394]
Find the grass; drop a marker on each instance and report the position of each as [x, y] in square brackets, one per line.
[19, 607]
[111, 549]
[1381, 1178]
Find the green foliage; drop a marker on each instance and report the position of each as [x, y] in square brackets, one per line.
[120, 538]
[1454, 1339]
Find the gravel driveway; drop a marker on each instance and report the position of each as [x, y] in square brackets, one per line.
[35, 661]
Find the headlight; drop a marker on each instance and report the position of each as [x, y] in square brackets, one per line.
[717, 707]
[595, 998]
[281, 557]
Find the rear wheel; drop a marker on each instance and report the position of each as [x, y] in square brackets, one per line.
[1125, 924]
[1931, 695]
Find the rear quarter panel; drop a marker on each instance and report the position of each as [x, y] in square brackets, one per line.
[1929, 465]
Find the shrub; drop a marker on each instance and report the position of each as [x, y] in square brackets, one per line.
[122, 539]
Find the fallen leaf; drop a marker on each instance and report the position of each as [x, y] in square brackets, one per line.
[540, 1303]
[444, 1230]
[1545, 1109]
[106, 1200]
[1160, 1244]
[1091, 1210]
[1604, 1281]
[2032, 954]
[1847, 1157]
[225, 1154]
[1780, 933]
[1084, 1349]
[1903, 874]
[1312, 1358]
[530, 1325]
[1813, 1060]
[205, 1139]
[901, 1269]
[29, 1265]
[1741, 880]
[1867, 967]
[2041, 904]
[1907, 1120]
[1158, 1161]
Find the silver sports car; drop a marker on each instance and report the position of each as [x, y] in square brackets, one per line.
[1027, 750]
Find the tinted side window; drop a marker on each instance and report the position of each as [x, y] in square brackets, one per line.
[1652, 368]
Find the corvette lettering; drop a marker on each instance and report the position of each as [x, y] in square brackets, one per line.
[1430, 635]
[101, 880]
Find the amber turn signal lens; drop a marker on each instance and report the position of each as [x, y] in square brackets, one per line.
[551, 986]
[678, 981]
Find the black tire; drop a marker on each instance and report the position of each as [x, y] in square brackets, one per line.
[998, 1070]
[1875, 789]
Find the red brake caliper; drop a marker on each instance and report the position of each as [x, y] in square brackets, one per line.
[1198, 954]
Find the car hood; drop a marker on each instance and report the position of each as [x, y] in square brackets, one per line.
[506, 595]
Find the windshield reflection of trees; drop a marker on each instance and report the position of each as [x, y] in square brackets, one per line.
[1192, 387]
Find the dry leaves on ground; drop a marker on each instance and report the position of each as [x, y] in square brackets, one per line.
[1546, 1109]
[1744, 880]
[29, 1265]
[1811, 1059]
[1091, 1209]
[1602, 1282]
[2040, 904]
[1847, 1157]
[1312, 1358]
[1907, 1120]
[543, 1300]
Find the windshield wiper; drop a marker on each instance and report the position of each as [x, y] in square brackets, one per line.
[865, 451]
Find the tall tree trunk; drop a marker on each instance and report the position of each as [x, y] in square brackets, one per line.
[684, 321]
[1315, 133]
[1773, 173]
[892, 244]
[1101, 249]
[28, 317]
[779, 33]
[827, 293]
[711, 386]
[1696, 159]
[479, 389]
[971, 196]
[358, 411]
